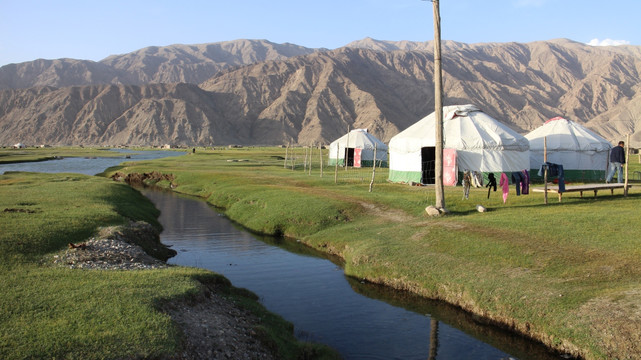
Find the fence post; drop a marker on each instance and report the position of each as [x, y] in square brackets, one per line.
[371, 184]
[346, 150]
[338, 148]
[305, 163]
[311, 153]
[286, 151]
[320, 156]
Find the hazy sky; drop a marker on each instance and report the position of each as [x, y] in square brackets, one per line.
[95, 29]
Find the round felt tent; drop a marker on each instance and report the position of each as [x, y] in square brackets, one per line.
[582, 152]
[480, 143]
[356, 148]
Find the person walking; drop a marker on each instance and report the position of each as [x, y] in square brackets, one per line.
[617, 159]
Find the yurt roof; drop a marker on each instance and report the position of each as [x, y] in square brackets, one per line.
[564, 135]
[359, 138]
[465, 127]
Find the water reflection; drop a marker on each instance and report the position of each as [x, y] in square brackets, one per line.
[360, 320]
[471, 325]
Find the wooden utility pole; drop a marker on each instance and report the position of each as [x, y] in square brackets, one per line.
[438, 109]
[545, 169]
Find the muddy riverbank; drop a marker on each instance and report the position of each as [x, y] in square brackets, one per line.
[214, 326]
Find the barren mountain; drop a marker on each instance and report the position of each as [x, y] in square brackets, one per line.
[315, 98]
[167, 64]
[58, 73]
[180, 114]
[196, 63]
[522, 85]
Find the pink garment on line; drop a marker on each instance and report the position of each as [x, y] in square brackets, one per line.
[504, 183]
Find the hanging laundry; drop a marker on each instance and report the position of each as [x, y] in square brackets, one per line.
[504, 183]
[473, 180]
[466, 184]
[525, 185]
[554, 170]
[517, 178]
[491, 183]
[477, 179]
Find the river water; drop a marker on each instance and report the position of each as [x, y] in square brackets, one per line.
[360, 320]
[87, 166]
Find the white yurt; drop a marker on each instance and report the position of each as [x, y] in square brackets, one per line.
[582, 152]
[472, 139]
[357, 147]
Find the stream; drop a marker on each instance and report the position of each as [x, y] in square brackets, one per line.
[309, 289]
[358, 319]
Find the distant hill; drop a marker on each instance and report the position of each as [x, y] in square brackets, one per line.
[256, 92]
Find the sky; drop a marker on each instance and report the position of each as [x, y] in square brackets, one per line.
[96, 29]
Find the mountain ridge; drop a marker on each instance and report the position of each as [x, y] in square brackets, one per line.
[269, 94]
[153, 64]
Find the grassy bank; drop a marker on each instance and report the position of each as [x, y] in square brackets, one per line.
[566, 273]
[53, 312]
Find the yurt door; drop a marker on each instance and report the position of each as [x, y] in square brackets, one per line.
[349, 156]
[428, 166]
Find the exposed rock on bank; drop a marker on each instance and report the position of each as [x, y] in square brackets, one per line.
[141, 179]
[108, 254]
[213, 326]
[119, 247]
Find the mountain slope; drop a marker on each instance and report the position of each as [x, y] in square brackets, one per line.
[58, 73]
[317, 97]
[167, 64]
[196, 63]
[522, 85]
[114, 115]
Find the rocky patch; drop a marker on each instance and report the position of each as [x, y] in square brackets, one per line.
[142, 179]
[213, 326]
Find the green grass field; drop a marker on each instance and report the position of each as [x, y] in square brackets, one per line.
[566, 274]
[53, 312]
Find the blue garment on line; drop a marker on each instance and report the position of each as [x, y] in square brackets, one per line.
[554, 170]
[517, 179]
[526, 182]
